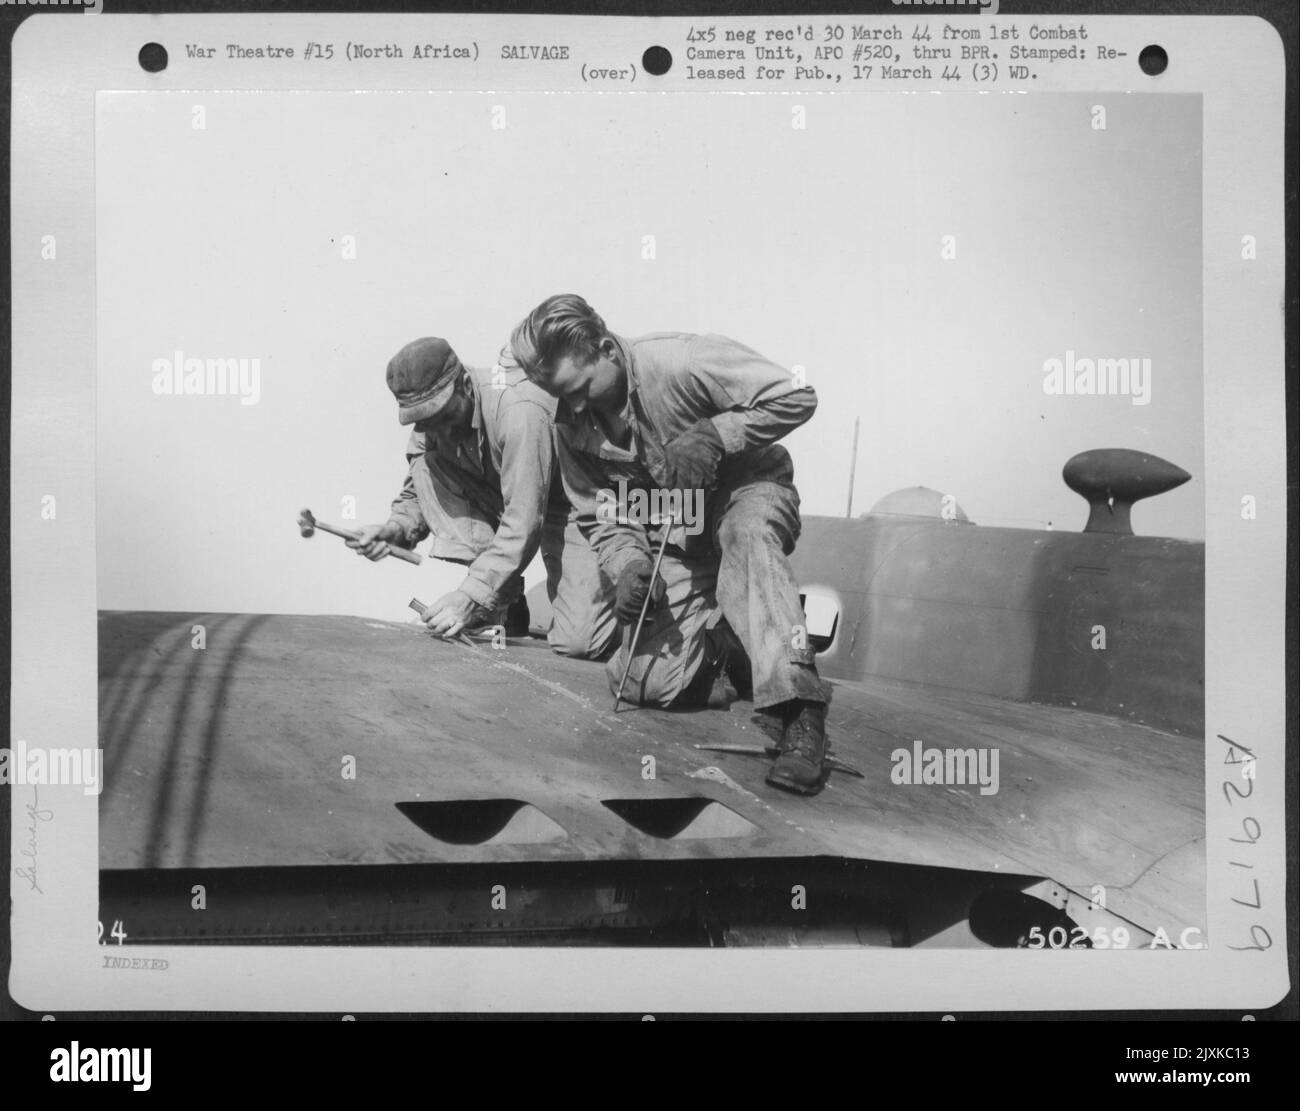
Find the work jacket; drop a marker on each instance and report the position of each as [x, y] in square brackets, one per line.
[502, 481]
[674, 380]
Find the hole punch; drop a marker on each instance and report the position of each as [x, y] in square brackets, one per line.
[153, 57]
[657, 61]
[1153, 60]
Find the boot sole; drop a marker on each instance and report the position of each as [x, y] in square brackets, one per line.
[796, 787]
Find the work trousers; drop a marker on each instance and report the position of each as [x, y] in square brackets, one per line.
[583, 623]
[738, 568]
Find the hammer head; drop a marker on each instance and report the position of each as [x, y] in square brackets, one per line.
[306, 523]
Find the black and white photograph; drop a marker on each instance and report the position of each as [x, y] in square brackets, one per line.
[849, 622]
[756, 496]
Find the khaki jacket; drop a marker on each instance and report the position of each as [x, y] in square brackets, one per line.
[674, 380]
[488, 496]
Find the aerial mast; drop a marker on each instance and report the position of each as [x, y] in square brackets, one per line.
[853, 466]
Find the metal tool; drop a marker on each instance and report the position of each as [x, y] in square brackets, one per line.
[421, 609]
[832, 762]
[645, 607]
[308, 525]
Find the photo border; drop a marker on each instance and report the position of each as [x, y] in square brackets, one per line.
[54, 606]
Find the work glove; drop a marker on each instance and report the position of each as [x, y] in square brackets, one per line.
[631, 590]
[692, 458]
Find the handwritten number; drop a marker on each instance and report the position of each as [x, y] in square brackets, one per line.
[1234, 744]
[1261, 948]
[1250, 790]
[1250, 838]
[1255, 904]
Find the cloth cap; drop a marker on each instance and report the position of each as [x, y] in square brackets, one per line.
[423, 376]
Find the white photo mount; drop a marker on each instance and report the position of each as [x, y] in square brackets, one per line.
[797, 199]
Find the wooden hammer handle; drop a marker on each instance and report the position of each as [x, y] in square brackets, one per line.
[393, 550]
[347, 534]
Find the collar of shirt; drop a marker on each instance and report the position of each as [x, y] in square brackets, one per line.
[477, 456]
[633, 379]
[476, 422]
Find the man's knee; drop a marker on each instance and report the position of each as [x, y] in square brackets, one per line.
[731, 532]
[574, 647]
[590, 640]
[659, 682]
[773, 529]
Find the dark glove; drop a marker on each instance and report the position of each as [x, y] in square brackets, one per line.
[632, 588]
[692, 458]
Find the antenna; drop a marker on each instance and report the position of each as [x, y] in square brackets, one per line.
[853, 467]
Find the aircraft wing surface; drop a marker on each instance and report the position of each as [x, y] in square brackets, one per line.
[298, 741]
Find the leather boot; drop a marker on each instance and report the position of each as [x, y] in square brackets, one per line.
[735, 660]
[714, 684]
[800, 764]
[514, 618]
[517, 618]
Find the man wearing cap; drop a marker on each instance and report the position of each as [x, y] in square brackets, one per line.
[678, 412]
[482, 482]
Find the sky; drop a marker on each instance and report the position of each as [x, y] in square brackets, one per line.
[923, 256]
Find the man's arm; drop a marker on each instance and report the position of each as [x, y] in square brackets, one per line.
[527, 464]
[758, 400]
[591, 492]
[405, 513]
[406, 525]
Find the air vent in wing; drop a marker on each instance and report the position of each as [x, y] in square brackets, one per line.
[483, 822]
[683, 818]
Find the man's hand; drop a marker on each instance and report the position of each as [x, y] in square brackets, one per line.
[374, 541]
[451, 613]
[631, 590]
[693, 457]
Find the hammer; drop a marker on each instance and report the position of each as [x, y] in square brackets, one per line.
[308, 525]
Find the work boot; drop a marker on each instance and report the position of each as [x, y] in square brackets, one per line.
[735, 660]
[513, 618]
[517, 618]
[800, 762]
[715, 684]
[708, 689]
